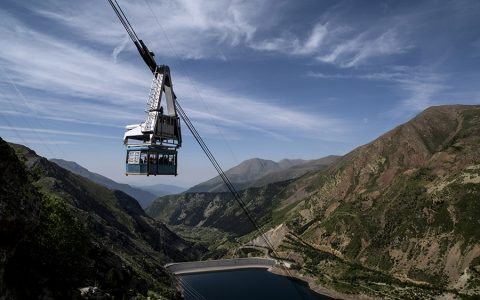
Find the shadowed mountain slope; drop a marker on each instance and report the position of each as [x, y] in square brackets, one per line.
[78, 234]
[143, 197]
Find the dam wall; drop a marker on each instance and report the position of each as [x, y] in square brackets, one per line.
[219, 265]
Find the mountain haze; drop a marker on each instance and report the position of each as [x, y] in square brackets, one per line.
[162, 189]
[256, 172]
[143, 197]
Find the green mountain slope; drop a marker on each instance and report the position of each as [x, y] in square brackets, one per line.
[405, 206]
[217, 210]
[65, 232]
[407, 203]
[143, 197]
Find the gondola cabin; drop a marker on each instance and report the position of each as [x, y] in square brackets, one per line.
[152, 145]
[148, 160]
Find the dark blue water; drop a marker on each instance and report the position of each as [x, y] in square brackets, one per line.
[245, 284]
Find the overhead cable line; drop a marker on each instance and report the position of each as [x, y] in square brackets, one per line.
[188, 288]
[207, 151]
[150, 61]
[126, 24]
[222, 174]
[230, 187]
[199, 139]
[192, 83]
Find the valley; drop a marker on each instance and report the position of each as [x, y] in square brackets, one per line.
[260, 149]
[396, 218]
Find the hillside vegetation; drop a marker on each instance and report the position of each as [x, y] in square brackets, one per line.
[143, 197]
[61, 232]
[401, 211]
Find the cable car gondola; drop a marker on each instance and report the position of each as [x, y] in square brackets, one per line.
[152, 145]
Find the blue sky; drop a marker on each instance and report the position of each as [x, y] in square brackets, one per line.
[261, 78]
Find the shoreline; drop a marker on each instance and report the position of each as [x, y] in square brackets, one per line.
[269, 264]
[316, 287]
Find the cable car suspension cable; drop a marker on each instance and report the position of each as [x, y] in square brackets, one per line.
[222, 174]
[150, 61]
[231, 187]
[123, 19]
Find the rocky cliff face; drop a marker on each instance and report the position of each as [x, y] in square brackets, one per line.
[407, 203]
[82, 234]
[217, 210]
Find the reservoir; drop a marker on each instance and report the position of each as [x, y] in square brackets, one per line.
[241, 284]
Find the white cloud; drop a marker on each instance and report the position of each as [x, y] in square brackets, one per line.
[194, 29]
[60, 132]
[116, 51]
[84, 85]
[363, 47]
[419, 86]
[35, 59]
[237, 111]
[205, 29]
[336, 44]
[291, 44]
[40, 142]
[422, 94]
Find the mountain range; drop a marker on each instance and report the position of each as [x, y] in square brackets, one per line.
[144, 195]
[257, 172]
[61, 233]
[397, 217]
[161, 189]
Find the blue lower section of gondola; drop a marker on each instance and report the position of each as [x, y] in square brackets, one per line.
[151, 160]
[145, 169]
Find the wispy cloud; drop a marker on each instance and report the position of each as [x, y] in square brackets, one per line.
[419, 86]
[60, 132]
[422, 92]
[88, 87]
[291, 44]
[194, 29]
[338, 45]
[95, 77]
[214, 27]
[247, 113]
[367, 45]
[40, 142]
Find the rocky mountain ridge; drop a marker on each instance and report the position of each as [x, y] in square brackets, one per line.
[256, 172]
[402, 209]
[406, 203]
[143, 197]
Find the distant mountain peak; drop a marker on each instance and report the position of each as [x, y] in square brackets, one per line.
[258, 171]
[142, 196]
